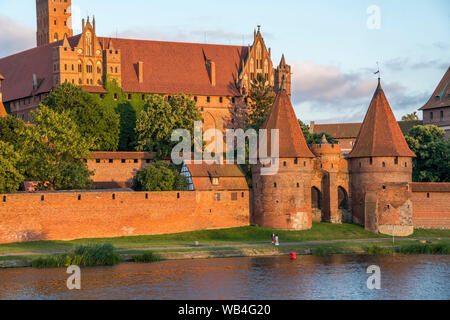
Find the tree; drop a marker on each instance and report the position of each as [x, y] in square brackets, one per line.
[411, 117]
[12, 131]
[54, 151]
[160, 118]
[94, 121]
[315, 138]
[261, 97]
[159, 176]
[10, 177]
[433, 154]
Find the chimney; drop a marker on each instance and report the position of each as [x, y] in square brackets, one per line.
[141, 71]
[212, 72]
[311, 126]
[35, 83]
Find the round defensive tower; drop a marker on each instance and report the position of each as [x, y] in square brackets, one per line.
[282, 198]
[380, 167]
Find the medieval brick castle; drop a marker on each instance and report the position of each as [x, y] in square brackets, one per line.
[371, 185]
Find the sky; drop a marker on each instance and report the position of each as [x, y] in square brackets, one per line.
[333, 46]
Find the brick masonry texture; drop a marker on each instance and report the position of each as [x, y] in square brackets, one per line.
[67, 216]
[431, 210]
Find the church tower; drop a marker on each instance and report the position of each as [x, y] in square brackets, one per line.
[283, 76]
[380, 168]
[54, 20]
[283, 200]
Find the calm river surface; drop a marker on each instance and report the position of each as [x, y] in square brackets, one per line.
[309, 277]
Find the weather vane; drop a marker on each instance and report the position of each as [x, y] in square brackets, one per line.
[378, 71]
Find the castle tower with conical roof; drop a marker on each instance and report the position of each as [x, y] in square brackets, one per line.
[283, 200]
[380, 167]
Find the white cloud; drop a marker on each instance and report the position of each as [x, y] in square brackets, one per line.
[14, 36]
[328, 94]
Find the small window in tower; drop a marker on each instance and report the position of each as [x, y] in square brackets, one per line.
[208, 99]
[117, 70]
[195, 99]
[284, 164]
[371, 161]
[221, 100]
[233, 100]
[396, 161]
[406, 164]
[275, 185]
[428, 195]
[296, 161]
[136, 160]
[384, 164]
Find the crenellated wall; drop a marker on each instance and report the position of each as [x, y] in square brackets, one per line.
[72, 215]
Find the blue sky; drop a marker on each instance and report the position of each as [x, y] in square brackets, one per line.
[332, 51]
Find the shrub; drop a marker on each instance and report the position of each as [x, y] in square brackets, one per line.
[425, 248]
[378, 250]
[146, 258]
[82, 256]
[159, 176]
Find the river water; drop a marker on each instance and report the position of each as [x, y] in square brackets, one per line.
[307, 278]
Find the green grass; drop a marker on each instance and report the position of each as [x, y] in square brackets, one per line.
[146, 258]
[82, 256]
[244, 235]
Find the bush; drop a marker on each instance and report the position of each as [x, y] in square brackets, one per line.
[159, 176]
[82, 256]
[425, 248]
[378, 250]
[146, 258]
[322, 251]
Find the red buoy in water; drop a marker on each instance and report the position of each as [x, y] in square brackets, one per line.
[293, 256]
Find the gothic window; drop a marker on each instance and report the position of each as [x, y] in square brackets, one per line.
[266, 70]
[89, 68]
[89, 43]
[259, 56]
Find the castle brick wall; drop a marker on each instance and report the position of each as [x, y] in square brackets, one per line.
[431, 210]
[115, 174]
[72, 215]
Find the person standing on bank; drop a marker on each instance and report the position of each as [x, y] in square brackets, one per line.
[273, 238]
[277, 243]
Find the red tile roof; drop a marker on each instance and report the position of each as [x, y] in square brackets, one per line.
[169, 67]
[380, 134]
[172, 67]
[94, 89]
[351, 130]
[430, 187]
[292, 143]
[441, 96]
[214, 170]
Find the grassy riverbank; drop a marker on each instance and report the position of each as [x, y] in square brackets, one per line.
[225, 237]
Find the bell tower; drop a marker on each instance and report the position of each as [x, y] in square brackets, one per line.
[54, 20]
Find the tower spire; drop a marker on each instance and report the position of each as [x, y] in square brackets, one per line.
[380, 134]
